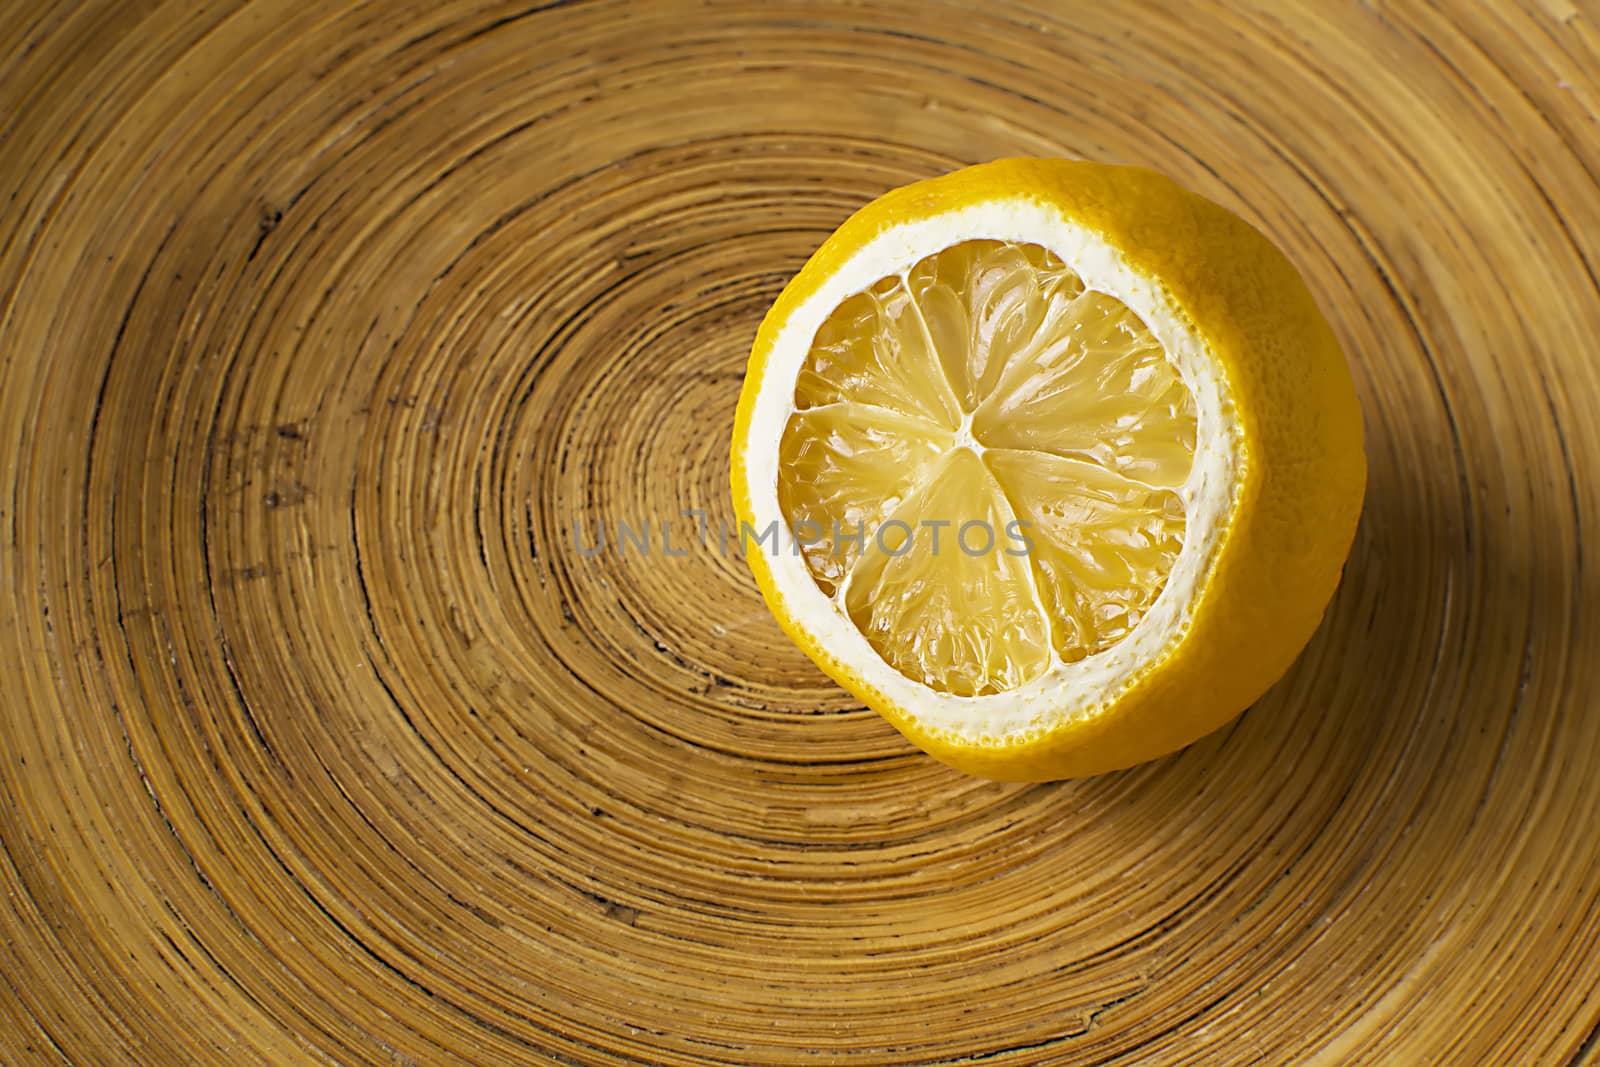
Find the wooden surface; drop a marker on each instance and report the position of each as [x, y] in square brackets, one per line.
[320, 324]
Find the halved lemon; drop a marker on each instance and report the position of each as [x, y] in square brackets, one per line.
[1053, 464]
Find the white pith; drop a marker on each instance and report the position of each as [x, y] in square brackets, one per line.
[1064, 690]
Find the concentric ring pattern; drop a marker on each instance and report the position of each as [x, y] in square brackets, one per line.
[330, 333]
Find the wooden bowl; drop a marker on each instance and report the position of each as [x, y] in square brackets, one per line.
[325, 739]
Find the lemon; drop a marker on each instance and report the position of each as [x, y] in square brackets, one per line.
[1053, 464]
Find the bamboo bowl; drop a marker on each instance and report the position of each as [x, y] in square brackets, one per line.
[321, 325]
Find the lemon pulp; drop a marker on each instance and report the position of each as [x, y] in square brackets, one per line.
[984, 464]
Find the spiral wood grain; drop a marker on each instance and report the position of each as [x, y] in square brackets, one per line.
[322, 740]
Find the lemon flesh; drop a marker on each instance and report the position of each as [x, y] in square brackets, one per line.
[985, 459]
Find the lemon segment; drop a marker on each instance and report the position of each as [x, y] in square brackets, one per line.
[1095, 384]
[1102, 545]
[875, 351]
[847, 468]
[941, 596]
[987, 305]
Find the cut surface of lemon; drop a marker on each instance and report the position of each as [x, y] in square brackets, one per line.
[1053, 464]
